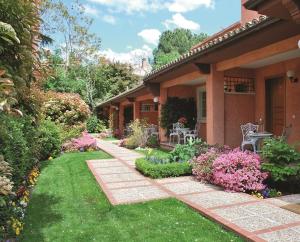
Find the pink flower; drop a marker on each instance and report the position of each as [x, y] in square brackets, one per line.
[239, 171]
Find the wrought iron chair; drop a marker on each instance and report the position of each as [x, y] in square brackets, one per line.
[153, 130]
[247, 129]
[175, 132]
[192, 134]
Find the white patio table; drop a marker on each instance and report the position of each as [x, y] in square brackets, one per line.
[257, 137]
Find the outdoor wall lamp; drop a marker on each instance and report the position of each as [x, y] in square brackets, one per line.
[155, 99]
[292, 76]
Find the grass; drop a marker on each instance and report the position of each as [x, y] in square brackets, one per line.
[67, 205]
[110, 139]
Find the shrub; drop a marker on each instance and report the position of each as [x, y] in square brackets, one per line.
[84, 143]
[152, 141]
[279, 152]
[94, 125]
[203, 165]
[18, 140]
[161, 170]
[186, 152]
[139, 136]
[69, 132]
[67, 109]
[282, 161]
[239, 171]
[49, 141]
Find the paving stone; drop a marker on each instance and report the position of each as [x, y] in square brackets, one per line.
[121, 177]
[283, 217]
[218, 198]
[128, 184]
[233, 213]
[111, 170]
[175, 179]
[284, 235]
[138, 193]
[187, 187]
[253, 223]
[108, 164]
[261, 208]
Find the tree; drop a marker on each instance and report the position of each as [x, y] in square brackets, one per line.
[174, 43]
[73, 26]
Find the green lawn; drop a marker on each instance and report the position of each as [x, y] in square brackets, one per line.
[110, 139]
[68, 205]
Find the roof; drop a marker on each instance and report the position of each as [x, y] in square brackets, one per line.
[122, 95]
[211, 45]
[253, 4]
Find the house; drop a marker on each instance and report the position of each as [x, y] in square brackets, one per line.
[246, 73]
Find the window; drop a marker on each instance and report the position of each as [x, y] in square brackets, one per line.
[201, 104]
[146, 107]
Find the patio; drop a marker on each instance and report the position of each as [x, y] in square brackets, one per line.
[252, 218]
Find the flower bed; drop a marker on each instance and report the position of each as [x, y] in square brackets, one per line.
[84, 143]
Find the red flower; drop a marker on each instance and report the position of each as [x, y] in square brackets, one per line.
[182, 120]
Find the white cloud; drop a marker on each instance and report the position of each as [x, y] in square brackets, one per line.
[90, 10]
[183, 6]
[132, 57]
[179, 21]
[150, 36]
[131, 6]
[109, 19]
[177, 6]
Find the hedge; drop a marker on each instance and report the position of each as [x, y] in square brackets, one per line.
[173, 169]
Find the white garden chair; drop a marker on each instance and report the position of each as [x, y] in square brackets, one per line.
[247, 129]
[175, 132]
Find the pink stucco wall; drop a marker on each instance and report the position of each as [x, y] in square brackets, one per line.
[292, 92]
[239, 109]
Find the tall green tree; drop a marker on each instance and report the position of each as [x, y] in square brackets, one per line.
[71, 26]
[173, 43]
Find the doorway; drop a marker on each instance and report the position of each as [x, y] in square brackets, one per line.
[275, 105]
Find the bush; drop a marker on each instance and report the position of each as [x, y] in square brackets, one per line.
[152, 141]
[203, 165]
[239, 171]
[162, 170]
[139, 136]
[184, 153]
[94, 125]
[282, 162]
[84, 143]
[279, 152]
[65, 108]
[18, 138]
[49, 140]
[69, 132]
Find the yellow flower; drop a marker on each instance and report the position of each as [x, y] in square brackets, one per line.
[50, 158]
[17, 231]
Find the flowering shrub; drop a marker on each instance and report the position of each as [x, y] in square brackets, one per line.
[239, 171]
[65, 108]
[84, 143]
[203, 165]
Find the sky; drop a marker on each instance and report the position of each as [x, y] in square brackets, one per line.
[130, 29]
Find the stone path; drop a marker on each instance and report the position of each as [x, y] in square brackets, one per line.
[252, 218]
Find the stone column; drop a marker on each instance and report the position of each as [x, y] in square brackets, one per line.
[162, 100]
[121, 119]
[136, 110]
[215, 107]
